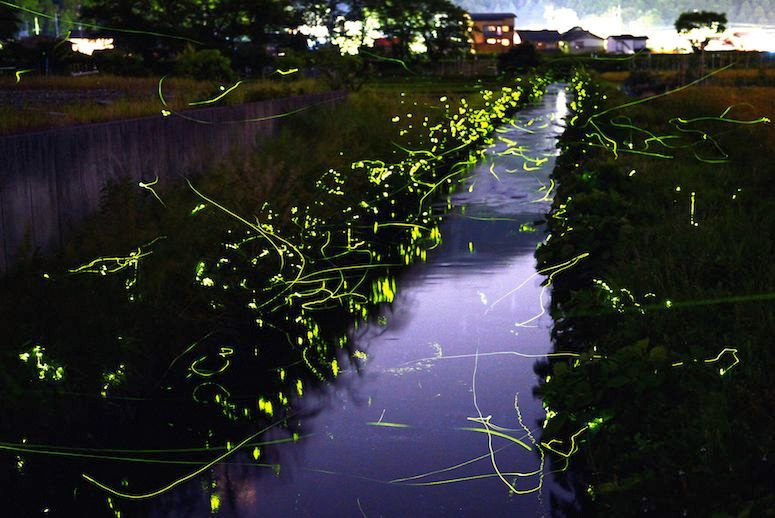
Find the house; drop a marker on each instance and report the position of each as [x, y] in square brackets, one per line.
[625, 44]
[580, 41]
[541, 40]
[493, 32]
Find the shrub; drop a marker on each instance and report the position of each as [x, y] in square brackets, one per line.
[119, 63]
[207, 64]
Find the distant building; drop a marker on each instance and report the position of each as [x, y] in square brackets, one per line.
[493, 32]
[580, 41]
[541, 40]
[626, 44]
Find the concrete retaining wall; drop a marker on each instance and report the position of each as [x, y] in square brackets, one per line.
[52, 180]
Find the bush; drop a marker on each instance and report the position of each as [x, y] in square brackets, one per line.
[207, 64]
[339, 71]
[520, 57]
[119, 63]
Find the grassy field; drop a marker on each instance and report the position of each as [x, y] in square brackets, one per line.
[730, 77]
[676, 288]
[35, 103]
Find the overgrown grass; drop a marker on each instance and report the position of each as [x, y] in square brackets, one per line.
[38, 103]
[668, 436]
[730, 77]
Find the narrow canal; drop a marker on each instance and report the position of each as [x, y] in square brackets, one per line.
[454, 355]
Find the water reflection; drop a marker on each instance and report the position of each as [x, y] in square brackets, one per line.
[158, 396]
[397, 438]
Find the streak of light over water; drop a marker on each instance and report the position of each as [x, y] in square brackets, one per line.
[396, 439]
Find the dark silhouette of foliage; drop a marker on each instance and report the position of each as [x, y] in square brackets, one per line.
[519, 57]
[707, 22]
[9, 23]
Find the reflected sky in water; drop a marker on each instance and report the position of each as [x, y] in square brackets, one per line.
[416, 388]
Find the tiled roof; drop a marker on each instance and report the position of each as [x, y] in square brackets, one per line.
[483, 17]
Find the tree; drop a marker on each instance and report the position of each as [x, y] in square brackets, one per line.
[9, 23]
[437, 27]
[701, 27]
[162, 28]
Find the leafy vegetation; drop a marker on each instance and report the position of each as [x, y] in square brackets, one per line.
[37, 103]
[134, 358]
[674, 292]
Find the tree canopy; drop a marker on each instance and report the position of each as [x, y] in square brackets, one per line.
[165, 26]
[701, 27]
[437, 26]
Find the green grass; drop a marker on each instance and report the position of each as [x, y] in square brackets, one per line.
[670, 436]
[127, 97]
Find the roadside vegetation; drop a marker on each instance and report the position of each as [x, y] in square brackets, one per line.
[37, 103]
[667, 408]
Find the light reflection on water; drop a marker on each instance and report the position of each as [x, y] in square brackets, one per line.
[459, 303]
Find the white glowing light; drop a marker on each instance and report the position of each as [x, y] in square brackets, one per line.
[418, 46]
[88, 46]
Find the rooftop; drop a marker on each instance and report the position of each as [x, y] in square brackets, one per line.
[485, 17]
[578, 32]
[629, 37]
[543, 35]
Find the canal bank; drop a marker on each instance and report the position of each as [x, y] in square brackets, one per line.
[161, 365]
[440, 419]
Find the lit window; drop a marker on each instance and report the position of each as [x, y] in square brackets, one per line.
[491, 41]
[506, 28]
[492, 28]
[505, 42]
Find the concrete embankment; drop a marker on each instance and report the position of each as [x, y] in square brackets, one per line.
[51, 180]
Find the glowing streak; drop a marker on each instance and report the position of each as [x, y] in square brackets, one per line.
[389, 60]
[489, 430]
[663, 94]
[387, 424]
[208, 373]
[286, 72]
[266, 235]
[115, 457]
[490, 433]
[556, 268]
[181, 480]
[47, 448]
[20, 72]
[546, 195]
[722, 371]
[218, 98]
[573, 446]
[149, 187]
[256, 119]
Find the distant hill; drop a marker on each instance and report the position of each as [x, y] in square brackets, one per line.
[662, 12]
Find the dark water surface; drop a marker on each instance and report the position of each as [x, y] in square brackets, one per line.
[391, 440]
